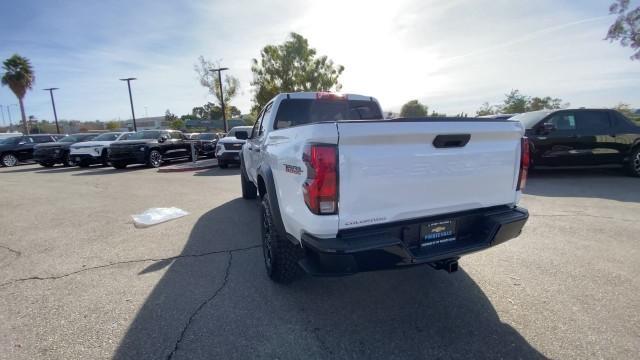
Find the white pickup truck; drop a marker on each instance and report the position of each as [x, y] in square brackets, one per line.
[343, 190]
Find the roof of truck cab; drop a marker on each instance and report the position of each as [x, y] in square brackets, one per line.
[314, 95]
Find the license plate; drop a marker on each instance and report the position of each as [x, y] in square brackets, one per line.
[437, 233]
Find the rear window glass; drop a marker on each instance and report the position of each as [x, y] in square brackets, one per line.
[294, 112]
[208, 136]
[107, 137]
[593, 121]
[42, 139]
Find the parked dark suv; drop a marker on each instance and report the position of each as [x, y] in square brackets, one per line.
[51, 153]
[150, 147]
[20, 147]
[578, 137]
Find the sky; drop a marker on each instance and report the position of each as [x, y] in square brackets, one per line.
[452, 55]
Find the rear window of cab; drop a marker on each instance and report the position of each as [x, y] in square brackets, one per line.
[295, 112]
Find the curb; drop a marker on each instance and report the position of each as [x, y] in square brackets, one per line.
[178, 168]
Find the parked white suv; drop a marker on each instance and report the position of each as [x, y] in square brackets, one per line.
[228, 148]
[343, 190]
[95, 151]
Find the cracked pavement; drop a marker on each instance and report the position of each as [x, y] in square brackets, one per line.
[79, 281]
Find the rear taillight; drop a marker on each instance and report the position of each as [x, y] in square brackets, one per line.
[321, 187]
[525, 159]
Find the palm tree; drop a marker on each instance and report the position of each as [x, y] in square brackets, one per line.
[19, 76]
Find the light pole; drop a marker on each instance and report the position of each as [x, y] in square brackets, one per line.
[2, 112]
[224, 115]
[133, 115]
[53, 103]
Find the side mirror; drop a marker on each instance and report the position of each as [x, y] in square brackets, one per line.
[162, 138]
[548, 127]
[242, 135]
[22, 142]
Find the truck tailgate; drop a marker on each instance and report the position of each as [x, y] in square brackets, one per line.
[391, 170]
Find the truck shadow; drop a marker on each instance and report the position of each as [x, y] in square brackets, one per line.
[605, 183]
[410, 313]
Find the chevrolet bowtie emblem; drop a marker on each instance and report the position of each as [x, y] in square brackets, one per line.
[438, 229]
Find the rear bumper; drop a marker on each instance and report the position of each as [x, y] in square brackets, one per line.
[398, 244]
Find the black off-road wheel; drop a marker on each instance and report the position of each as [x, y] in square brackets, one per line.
[280, 255]
[249, 190]
[47, 164]
[633, 167]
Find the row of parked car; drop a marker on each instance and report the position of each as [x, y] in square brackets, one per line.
[119, 149]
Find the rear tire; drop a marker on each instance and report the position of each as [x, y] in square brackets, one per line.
[46, 164]
[249, 191]
[104, 158]
[118, 165]
[154, 160]
[280, 255]
[66, 161]
[8, 160]
[633, 167]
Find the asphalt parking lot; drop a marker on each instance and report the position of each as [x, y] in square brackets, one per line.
[79, 281]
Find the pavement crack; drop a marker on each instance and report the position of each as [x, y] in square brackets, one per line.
[16, 252]
[182, 256]
[201, 306]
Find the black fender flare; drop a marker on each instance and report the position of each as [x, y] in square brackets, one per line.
[267, 176]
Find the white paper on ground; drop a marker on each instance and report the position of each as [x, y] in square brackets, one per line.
[157, 215]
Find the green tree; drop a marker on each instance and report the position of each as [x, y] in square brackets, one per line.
[113, 125]
[514, 102]
[177, 124]
[209, 79]
[626, 28]
[486, 109]
[547, 102]
[199, 112]
[19, 76]
[292, 66]
[414, 109]
[170, 117]
[626, 110]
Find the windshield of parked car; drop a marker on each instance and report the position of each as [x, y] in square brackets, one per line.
[11, 140]
[207, 136]
[530, 119]
[107, 137]
[293, 112]
[145, 135]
